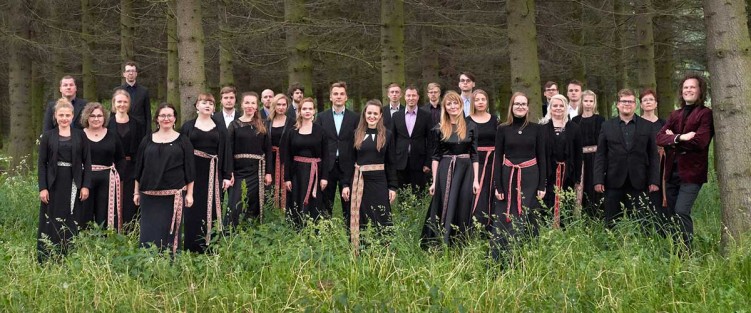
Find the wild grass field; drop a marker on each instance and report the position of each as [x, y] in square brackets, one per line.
[270, 267]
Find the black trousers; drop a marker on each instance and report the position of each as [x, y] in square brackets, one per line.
[681, 197]
[633, 199]
[336, 177]
[416, 179]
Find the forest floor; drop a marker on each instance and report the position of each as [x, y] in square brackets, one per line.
[270, 267]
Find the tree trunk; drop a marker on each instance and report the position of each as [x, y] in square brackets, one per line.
[299, 61]
[173, 63]
[664, 62]
[87, 52]
[430, 64]
[37, 97]
[127, 32]
[226, 76]
[190, 48]
[619, 9]
[645, 49]
[522, 47]
[392, 44]
[577, 62]
[728, 47]
[19, 81]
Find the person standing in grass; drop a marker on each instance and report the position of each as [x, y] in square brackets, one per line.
[589, 124]
[487, 125]
[278, 124]
[64, 176]
[164, 174]
[250, 144]
[455, 176]
[658, 199]
[520, 176]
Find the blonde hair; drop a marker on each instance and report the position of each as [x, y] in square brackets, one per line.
[62, 103]
[298, 120]
[275, 102]
[547, 117]
[510, 116]
[363, 125]
[591, 93]
[472, 101]
[120, 92]
[445, 124]
[88, 109]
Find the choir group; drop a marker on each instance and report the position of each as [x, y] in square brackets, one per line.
[502, 177]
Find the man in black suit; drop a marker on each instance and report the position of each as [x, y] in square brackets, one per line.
[140, 103]
[626, 163]
[394, 92]
[266, 96]
[295, 92]
[228, 113]
[339, 124]
[68, 91]
[434, 103]
[411, 129]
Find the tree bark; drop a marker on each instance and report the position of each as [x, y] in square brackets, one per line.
[37, 97]
[190, 49]
[299, 61]
[173, 61]
[619, 9]
[522, 47]
[645, 49]
[728, 48]
[87, 52]
[226, 76]
[127, 32]
[392, 44]
[19, 81]
[664, 61]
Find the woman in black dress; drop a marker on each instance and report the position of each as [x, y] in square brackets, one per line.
[305, 154]
[104, 206]
[130, 130]
[589, 124]
[251, 147]
[486, 125]
[658, 199]
[64, 175]
[213, 167]
[454, 169]
[164, 175]
[564, 148]
[373, 186]
[520, 180]
[278, 124]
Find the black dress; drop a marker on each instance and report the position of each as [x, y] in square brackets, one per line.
[305, 147]
[107, 152]
[130, 133]
[482, 206]
[658, 198]
[450, 212]
[164, 169]
[64, 167]
[199, 219]
[245, 140]
[522, 173]
[590, 131]
[564, 147]
[277, 160]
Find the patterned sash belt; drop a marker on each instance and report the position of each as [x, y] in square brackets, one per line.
[663, 157]
[261, 174]
[114, 197]
[449, 177]
[177, 211]
[489, 157]
[354, 212]
[73, 187]
[279, 190]
[518, 169]
[313, 179]
[580, 188]
[213, 192]
[560, 172]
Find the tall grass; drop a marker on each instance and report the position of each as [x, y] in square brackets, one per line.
[270, 267]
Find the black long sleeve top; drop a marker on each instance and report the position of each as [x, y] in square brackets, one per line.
[313, 145]
[107, 151]
[213, 142]
[564, 145]
[368, 154]
[486, 131]
[245, 139]
[453, 145]
[518, 144]
[164, 166]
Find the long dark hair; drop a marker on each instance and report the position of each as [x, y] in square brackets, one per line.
[702, 89]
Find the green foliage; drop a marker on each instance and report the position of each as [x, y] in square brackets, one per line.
[269, 267]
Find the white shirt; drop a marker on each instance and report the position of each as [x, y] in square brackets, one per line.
[228, 117]
[572, 112]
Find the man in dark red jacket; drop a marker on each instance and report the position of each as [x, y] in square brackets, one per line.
[686, 137]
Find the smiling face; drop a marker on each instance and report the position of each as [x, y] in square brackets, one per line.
[372, 115]
[96, 119]
[520, 106]
[308, 110]
[121, 103]
[250, 105]
[557, 108]
[166, 118]
[64, 116]
[626, 105]
[453, 108]
[481, 103]
[411, 97]
[690, 91]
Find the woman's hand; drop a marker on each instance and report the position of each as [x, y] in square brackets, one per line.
[137, 199]
[324, 183]
[226, 183]
[540, 194]
[392, 196]
[345, 193]
[84, 193]
[475, 187]
[44, 196]
[189, 200]
[431, 190]
[267, 179]
[499, 195]
[288, 185]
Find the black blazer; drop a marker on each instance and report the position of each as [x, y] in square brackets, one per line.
[47, 160]
[219, 117]
[574, 153]
[289, 123]
[49, 119]
[344, 141]
[387, 118]
[613, 162]
[419, 152]
[225, 151]
[140, 104]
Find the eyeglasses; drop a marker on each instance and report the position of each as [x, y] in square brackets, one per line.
[627, 101]
[166, 116]
[520, 104]
[465, 80]
[96, 116]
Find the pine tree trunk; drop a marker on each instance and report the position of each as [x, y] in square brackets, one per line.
[645, 49]
[728, 47]
[87, 52]
[127, 32]
[37, 97]
[522, 47]
[226, 76]
[664, 60]
[392, 44]
[299, 63]
[619, 9]
[19, 82]
[173, 61]
[190, 49]
[429, 59]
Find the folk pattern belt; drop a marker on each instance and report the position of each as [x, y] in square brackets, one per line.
[518, 169]
[213, 192]
[114, 197]
[261, 174]
[177, 211]
[354, 212]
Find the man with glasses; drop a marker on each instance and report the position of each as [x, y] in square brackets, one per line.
[626, 164]
[466, 84]
[68, 91]
[140, 103]
[551, 89]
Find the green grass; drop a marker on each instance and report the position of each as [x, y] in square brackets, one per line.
[270, 267]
